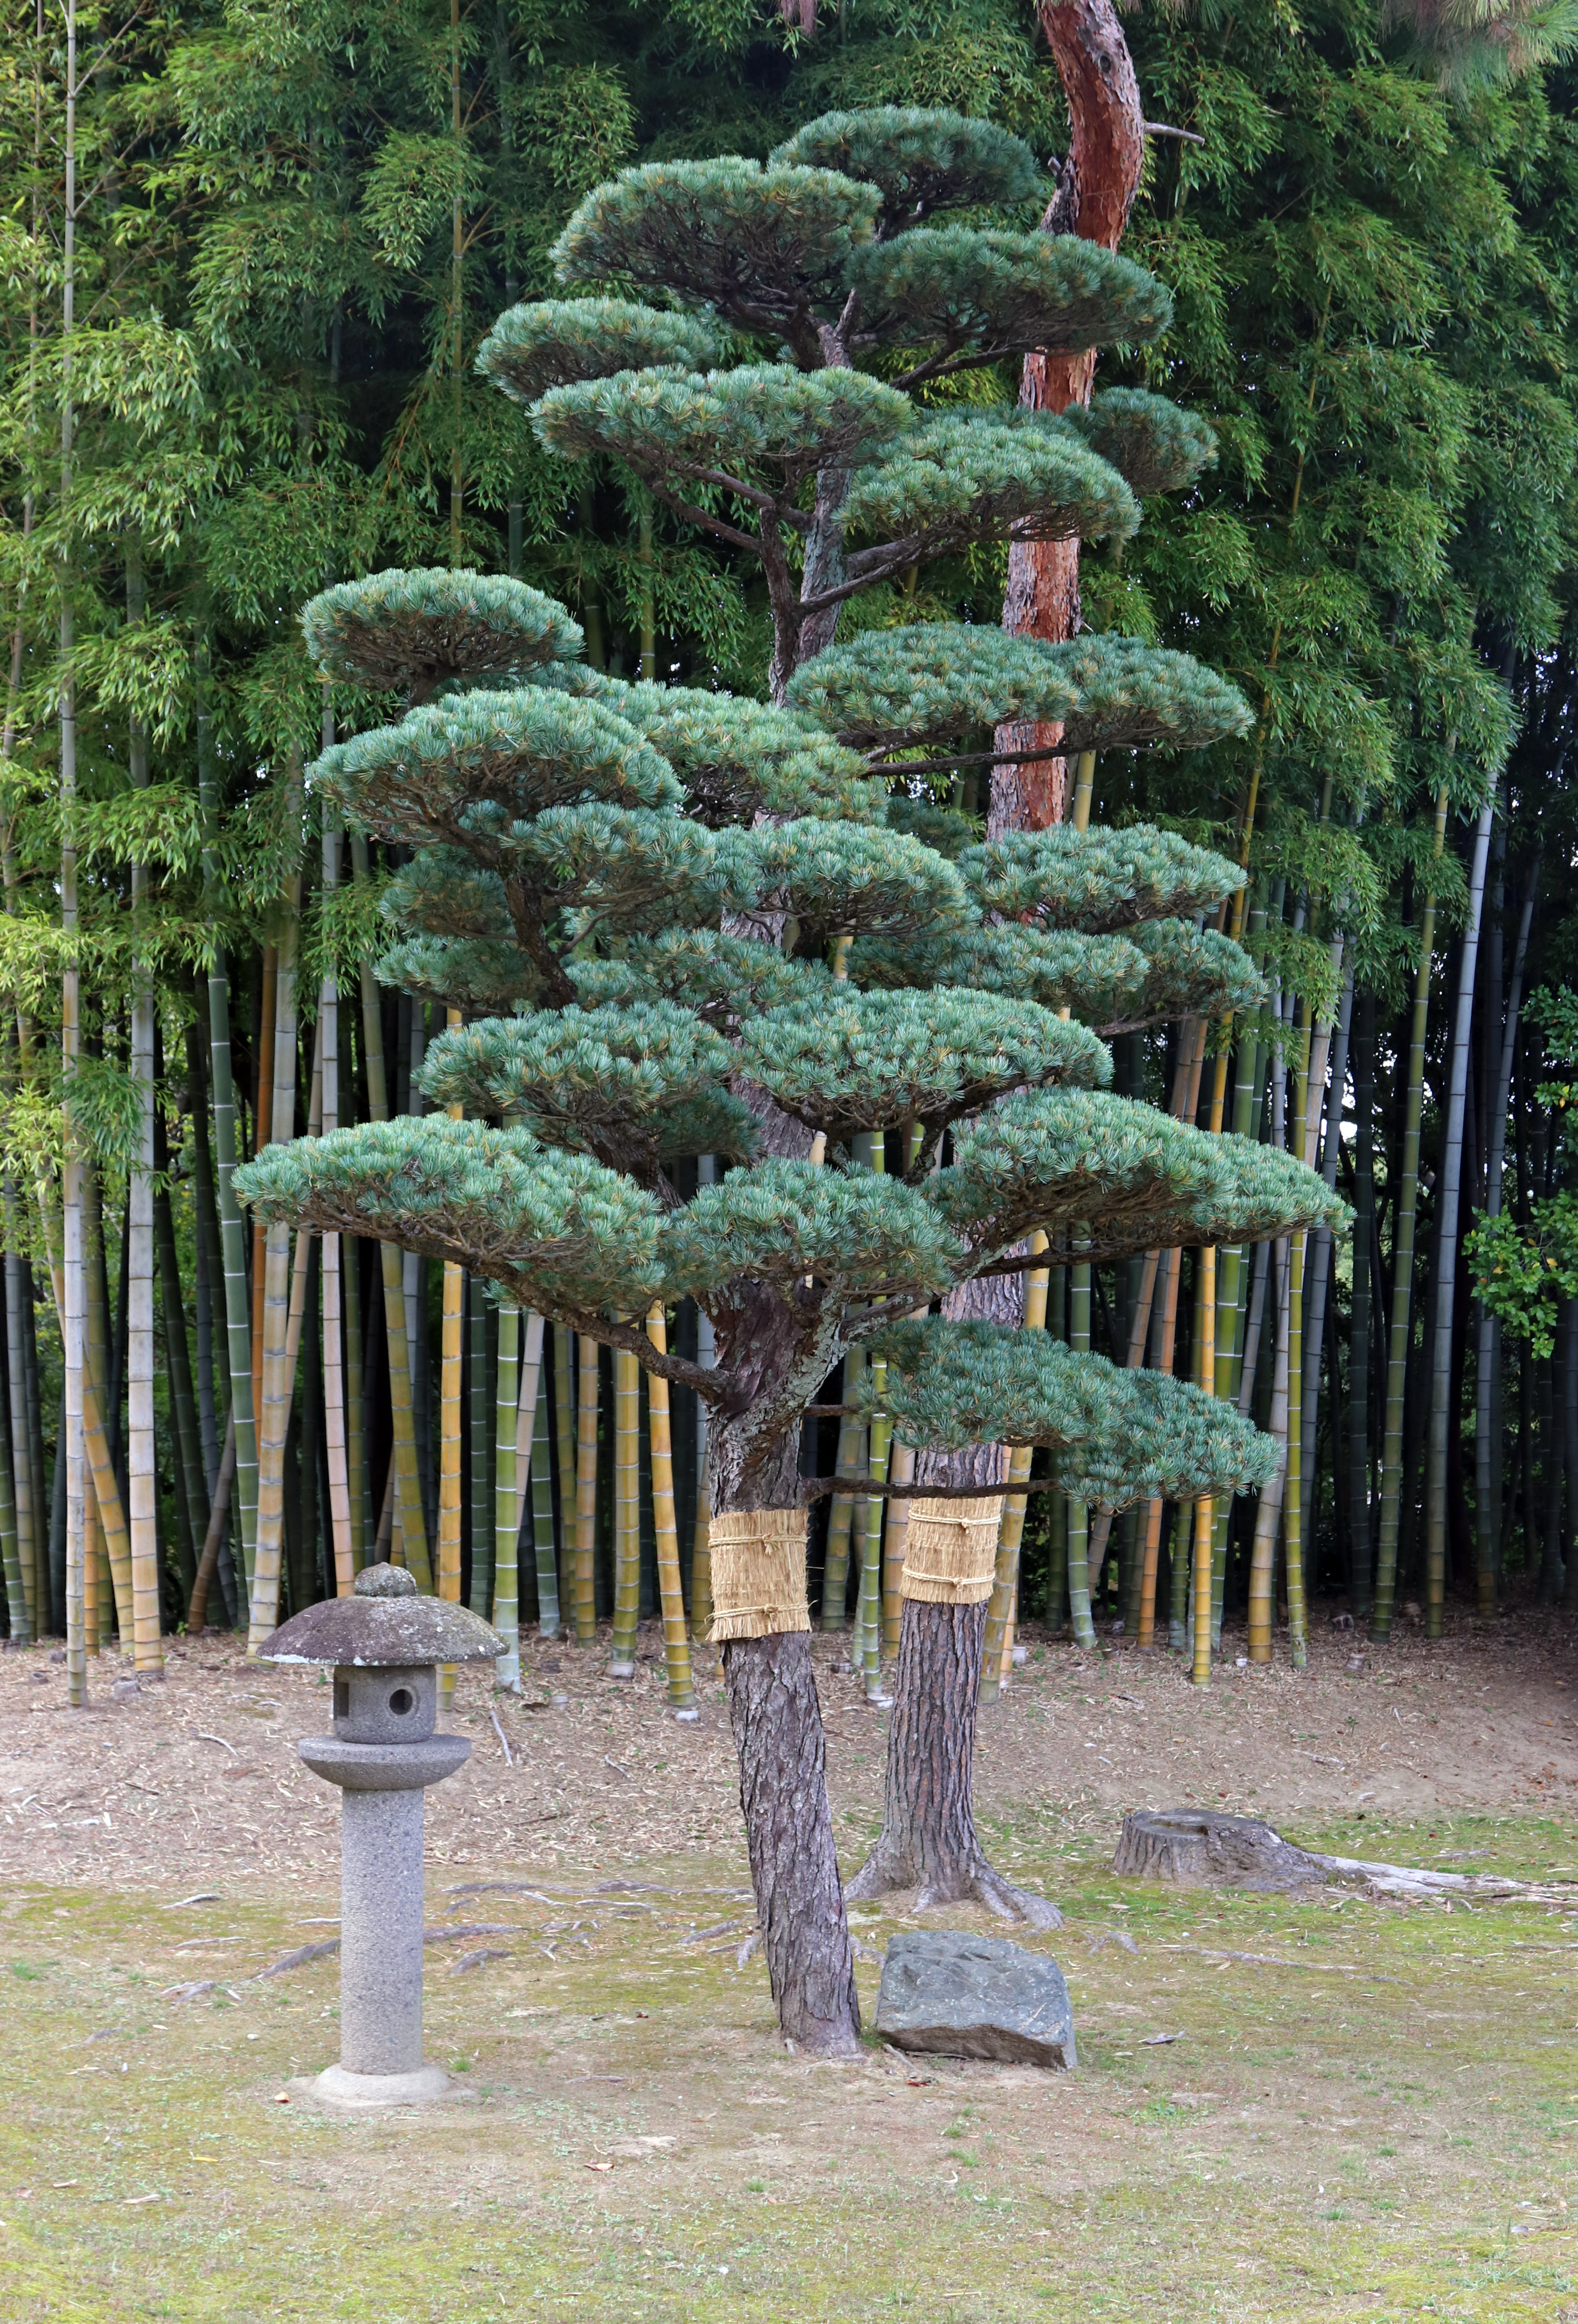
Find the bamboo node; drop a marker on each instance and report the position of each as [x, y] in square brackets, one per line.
[758, 1574]
[950, 1551]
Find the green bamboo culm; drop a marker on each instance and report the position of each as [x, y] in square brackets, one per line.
[1231, 1310]
[1293, 1528]
[544, 1549]
[1057, 1504]
[851, 1463]
[1359, 1519]
[361, 1484]
[564, 1423]
[483, 1413]
[868, 1645]
[1079, 1581]
[627, 1538]
[16, 1590]
[1447, 1201]
[232, 1231]
[506, 1613]
[586, 1477]
[870, 1563]
[1396, 1371]
[408, 1491]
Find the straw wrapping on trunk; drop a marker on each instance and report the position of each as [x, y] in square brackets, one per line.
[758, 1574]
[950, 1558]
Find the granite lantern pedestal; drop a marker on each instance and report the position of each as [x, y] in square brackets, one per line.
[385, 1643]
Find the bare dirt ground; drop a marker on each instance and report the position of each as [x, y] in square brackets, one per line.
[198, 1774]
[1317, 2107]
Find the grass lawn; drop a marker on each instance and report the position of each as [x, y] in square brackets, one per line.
[1366, 2110]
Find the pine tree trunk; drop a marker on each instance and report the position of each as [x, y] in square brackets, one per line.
[1099, 181]
[928, 1840]
[777, 1724]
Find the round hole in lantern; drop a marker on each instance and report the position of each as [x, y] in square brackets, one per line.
[401, 1701]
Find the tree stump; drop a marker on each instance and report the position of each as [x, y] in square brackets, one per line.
[1198, 1849]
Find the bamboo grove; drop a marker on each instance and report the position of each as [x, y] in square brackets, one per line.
[251, 256]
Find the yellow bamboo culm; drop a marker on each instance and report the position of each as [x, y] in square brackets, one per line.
[896, 1547]
[450, 1376]
[676, 1645]
[758, 1559]
[92, 1560]
[950, 1557]
[586, 1494]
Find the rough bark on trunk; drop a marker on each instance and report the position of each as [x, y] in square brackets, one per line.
[770, 1681]
[929, 1839]
[926, 1817]
[788, 1831]
[1095, 191]
[1199, 1849]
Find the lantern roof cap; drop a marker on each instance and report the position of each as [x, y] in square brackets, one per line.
[385, 1621]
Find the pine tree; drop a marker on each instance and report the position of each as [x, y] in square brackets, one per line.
[626, 866]
[829, 251]
[830, 478]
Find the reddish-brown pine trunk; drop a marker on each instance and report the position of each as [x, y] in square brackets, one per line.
[1106, 153]
[929, 1834]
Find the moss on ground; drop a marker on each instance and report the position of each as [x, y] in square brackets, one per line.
[1366, 2110]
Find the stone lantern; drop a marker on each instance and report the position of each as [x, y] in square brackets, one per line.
[385, 1643]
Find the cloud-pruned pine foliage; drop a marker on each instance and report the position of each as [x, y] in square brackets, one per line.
[730, 937]
[550, 828]
[827, 257]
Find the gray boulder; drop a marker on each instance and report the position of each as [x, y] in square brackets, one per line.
[967, 1997]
